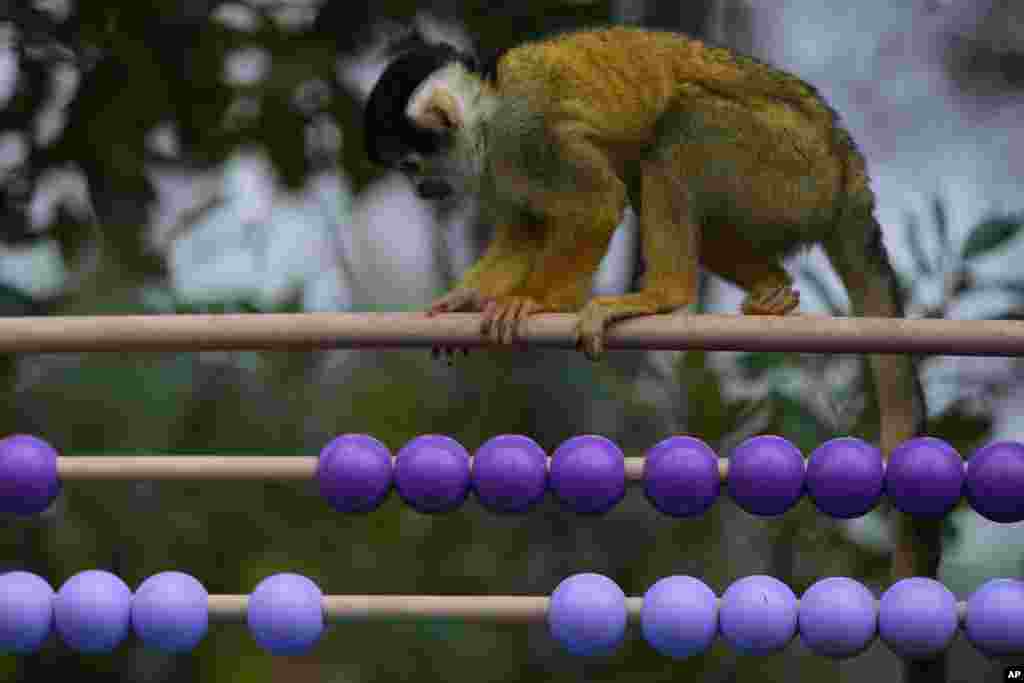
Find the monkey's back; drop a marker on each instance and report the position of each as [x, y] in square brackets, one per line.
[621, 79]
[747, 137]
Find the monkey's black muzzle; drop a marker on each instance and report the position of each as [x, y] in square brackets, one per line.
[433, 189]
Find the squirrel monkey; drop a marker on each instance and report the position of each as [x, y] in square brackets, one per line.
[729, 163]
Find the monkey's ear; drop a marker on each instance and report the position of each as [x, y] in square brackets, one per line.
[440, 112]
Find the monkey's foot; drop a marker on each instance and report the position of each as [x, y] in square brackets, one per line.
[602, 311]
[595, 318]
[771, 300]
[459, 299]
[504, 316]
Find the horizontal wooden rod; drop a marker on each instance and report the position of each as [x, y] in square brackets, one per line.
[305, 331]
[240, 467]
[509, 609]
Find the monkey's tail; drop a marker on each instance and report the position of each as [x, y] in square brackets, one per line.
[856, 251]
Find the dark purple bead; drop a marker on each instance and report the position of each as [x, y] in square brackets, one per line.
[354, 473]
[845, 477]
[924, 477]
[510, 473]
[588, 474]
[432, 473]
[28, 474]
[995, 481]
[681, 476]
[766, 475]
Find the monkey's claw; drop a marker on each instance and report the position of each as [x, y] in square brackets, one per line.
[504, 316]
[459, 299]
[771, 300]
[448, 352]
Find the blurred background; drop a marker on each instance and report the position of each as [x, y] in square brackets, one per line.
[206, 156]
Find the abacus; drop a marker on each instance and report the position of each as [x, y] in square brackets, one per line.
[679, 616]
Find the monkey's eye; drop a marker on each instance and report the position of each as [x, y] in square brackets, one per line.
[408, 166]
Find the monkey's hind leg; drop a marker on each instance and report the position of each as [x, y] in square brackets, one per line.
[769, 287]
[669, 237]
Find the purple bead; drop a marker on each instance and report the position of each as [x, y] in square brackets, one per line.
[285, 614]
[26, 612]
[995, 617]
[838, 617]
[354, 473]
[758, 615]
[587, 614]
[588, 474]
[845, 477]
[917, 617]
[766, 475]
[995, 480]
[170, 612]
[28, 474]
[679, 616]
[92, 611]
[924, 477]
[681, 476]
[432, 473]
[510, 473]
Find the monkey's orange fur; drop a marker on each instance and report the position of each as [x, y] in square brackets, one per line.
[728, 162]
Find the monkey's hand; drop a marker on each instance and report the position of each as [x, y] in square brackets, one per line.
[459, 299]
[504, 316]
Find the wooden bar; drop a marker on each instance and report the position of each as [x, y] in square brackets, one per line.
[306, 331]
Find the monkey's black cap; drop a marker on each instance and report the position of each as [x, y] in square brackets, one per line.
[389, 133]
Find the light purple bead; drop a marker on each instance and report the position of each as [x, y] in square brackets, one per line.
[28, 474]
[587, 614]
[432, 473]
[285, 614]
[26, 612]
[995, 617]
[917, 617]
[681, 476]
[758, 615]
[679, 616]
[354, 473]
[588, 474]
[170, 612]
[92, 611]
[838, 617]
[510, 473]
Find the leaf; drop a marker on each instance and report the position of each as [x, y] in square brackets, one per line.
[963, 429]
[913, 233]
[794, 419]
[14, 302]
[814, 281]
[991, 234]
[941, 219]
[755, 365]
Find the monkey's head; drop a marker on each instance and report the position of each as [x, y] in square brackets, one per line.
[422, 118]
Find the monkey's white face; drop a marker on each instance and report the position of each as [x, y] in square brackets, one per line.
[451, 105]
